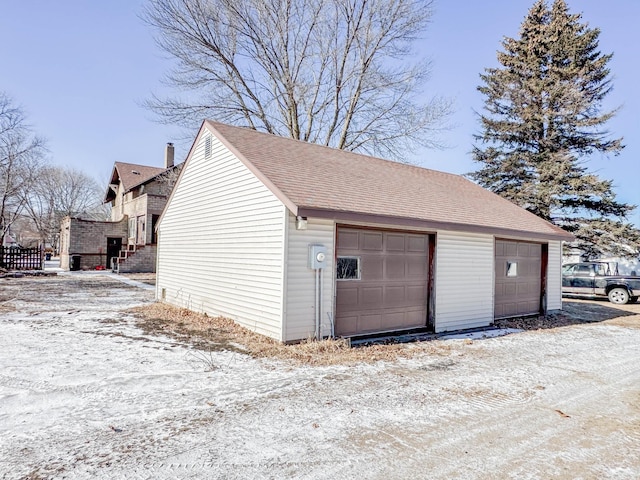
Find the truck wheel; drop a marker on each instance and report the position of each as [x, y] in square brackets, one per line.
[619, 296]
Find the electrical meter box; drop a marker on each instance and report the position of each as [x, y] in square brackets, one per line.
[317, 256]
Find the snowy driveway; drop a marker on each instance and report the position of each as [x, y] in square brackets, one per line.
[85, 394]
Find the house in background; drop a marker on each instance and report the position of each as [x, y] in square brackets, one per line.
[126, 243]
[295, 240]
[9, 240]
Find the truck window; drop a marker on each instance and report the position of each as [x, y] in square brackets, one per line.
[601, 269]
[584, 271]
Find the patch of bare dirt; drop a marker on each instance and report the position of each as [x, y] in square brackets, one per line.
[148, 278]
[48, 288]
[574, 312]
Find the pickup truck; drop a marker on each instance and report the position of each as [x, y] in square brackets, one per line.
[599, 279]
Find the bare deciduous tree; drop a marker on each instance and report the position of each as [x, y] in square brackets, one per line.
[59, 192]
[169, 178]
[334, 72]
[21, 153]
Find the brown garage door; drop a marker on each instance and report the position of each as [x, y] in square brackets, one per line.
[382, 281]
[518, 278]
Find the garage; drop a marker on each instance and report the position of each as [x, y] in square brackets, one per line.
[518, 278]
[382, 280]
[414, 250]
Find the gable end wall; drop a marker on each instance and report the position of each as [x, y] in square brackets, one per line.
[221, 243]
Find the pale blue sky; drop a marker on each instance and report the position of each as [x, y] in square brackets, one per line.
[81, 68]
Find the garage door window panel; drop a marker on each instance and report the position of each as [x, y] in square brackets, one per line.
[348, 268]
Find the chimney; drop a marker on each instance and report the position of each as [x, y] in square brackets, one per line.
[168, 155]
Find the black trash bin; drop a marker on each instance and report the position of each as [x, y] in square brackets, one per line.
[47, 256]
[75, 262]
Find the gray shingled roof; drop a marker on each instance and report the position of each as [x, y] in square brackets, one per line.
[315, 180]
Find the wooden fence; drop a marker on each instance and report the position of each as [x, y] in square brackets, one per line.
[12, 258]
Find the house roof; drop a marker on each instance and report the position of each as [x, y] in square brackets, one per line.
[130, 175]
[313, 180]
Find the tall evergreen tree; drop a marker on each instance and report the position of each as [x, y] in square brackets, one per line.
[544, 118]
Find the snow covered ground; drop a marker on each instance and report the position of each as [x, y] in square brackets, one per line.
[86, 394]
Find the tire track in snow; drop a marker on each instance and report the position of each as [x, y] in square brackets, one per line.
[581, 394]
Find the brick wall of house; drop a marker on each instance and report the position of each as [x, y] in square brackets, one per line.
[156, 203]
[142, 260]
[146, 205]
[88, 239]
[158, 187]
[142, 205]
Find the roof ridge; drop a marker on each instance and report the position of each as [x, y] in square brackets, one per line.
[395, 163]
[311, 177]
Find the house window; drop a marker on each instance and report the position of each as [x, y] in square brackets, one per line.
[207, 147]
[132, 228]
[348, 268]
[512, 269]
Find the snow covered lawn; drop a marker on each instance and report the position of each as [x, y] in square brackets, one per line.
[84, 393]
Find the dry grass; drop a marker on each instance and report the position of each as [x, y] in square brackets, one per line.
[7, 308]
[208, 333]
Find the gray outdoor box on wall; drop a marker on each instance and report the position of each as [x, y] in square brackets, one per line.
[317, 256]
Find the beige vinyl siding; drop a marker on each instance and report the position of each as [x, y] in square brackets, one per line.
[463, 280]
[221, 243]
[300, 279]
[554, 276]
